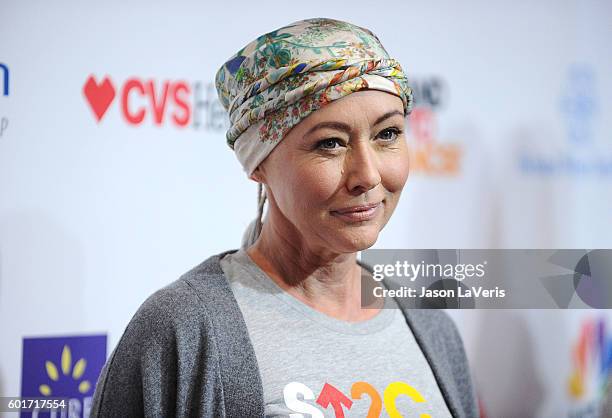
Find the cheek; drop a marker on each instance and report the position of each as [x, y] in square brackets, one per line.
[318, 183]
[395, 171]
[309, 185]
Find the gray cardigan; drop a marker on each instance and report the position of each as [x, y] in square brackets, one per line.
[187, 353]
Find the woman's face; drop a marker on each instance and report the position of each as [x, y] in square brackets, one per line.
[335, 179]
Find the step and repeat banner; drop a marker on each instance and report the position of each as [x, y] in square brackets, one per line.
[115, 177]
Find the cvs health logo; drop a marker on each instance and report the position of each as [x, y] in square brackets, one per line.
[147, 101]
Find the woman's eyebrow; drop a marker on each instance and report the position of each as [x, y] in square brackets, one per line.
[388, 115]
[341, 126]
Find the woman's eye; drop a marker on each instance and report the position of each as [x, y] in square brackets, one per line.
[329, 143]
[390, 134]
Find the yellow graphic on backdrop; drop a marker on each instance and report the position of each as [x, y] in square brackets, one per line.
[67, 369]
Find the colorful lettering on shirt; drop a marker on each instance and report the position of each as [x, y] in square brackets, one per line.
[330, 396]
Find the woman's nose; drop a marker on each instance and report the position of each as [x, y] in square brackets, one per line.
[362, 171]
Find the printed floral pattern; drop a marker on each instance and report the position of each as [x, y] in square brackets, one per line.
[282, 76]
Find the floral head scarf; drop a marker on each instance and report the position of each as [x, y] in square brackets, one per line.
[278, 79]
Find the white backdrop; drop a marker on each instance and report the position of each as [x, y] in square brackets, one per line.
[512, 146]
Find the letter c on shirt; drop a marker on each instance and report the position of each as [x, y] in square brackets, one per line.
[400, 388]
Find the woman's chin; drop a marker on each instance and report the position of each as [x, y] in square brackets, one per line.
[357, 241]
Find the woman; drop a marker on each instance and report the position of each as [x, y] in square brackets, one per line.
[277, 328]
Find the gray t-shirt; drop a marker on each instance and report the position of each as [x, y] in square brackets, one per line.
[311, 363]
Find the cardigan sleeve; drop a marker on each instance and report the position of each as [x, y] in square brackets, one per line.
[461, 370]
[444, 349]
[164, 364]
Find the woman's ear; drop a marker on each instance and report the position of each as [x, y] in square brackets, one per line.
[256, 175]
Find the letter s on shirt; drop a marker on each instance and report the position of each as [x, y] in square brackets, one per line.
[290, 394]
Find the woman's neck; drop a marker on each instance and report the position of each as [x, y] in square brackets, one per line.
[329, 283]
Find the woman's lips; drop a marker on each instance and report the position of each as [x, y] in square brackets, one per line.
[358, 213]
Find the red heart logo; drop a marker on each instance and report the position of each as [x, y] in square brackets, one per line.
[99, 95]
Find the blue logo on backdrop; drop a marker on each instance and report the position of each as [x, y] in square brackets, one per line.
[62, 367]
[578, 106]
[5, 79]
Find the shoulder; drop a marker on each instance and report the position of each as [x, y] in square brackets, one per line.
[189, 298]
[162, 315]
[438, 332]
[438, 324]
[184, 305]
[168, 335]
